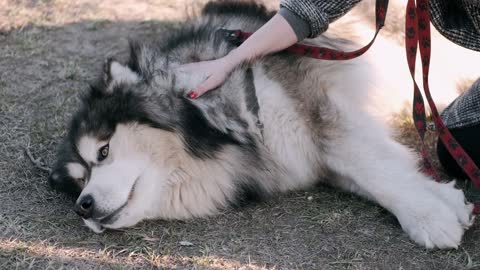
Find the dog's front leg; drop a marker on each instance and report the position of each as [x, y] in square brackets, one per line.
[433, 214]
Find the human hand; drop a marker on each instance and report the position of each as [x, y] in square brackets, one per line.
[215, 73]
[273, 36]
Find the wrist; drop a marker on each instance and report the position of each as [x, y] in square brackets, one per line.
[236, 57]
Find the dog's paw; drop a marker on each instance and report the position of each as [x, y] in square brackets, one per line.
[431, 223]
[455, 199]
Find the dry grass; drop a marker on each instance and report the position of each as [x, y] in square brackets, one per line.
[49, 50]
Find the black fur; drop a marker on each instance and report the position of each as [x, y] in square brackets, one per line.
[60, 179]
[237, 8]
[248, 191]
[133, 62]
[147, 72]
[201, 139]
[251, 98]
[206, 32]
[102, 112]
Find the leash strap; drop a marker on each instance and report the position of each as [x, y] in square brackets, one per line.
[238, 36]
[411, 46]
[417, 33]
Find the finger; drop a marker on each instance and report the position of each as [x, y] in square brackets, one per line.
[209, 84]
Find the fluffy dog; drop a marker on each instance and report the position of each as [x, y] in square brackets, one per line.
[139, 149]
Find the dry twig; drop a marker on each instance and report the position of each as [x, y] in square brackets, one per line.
[37, 162]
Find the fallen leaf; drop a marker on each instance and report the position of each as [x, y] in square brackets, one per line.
[186, 243]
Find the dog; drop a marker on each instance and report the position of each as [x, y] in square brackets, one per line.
[139, 149]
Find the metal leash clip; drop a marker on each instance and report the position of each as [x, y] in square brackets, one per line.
[232, 36]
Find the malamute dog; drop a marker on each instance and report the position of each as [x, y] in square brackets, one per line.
[139, 149]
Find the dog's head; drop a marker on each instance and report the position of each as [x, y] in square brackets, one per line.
[108, 149]
[136, 124]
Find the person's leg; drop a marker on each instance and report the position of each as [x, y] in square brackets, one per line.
[462, 118]
[469, 139]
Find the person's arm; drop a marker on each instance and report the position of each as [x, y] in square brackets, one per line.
[274, 36]
[295, 21]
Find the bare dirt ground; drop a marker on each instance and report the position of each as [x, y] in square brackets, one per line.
[49, 50]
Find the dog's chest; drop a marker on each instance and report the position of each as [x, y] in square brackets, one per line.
[285, 133]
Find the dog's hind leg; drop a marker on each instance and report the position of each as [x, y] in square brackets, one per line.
[433, 214]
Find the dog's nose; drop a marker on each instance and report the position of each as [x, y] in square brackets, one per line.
[84, 206]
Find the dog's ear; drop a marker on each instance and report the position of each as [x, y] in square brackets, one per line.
[115, 73]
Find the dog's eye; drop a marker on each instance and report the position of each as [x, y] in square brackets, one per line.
[103, 153]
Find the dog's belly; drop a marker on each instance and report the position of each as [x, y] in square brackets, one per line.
[285, 133]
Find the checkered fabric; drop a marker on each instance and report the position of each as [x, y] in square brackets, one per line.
[464, 111]
[457, 20]
[318, 13]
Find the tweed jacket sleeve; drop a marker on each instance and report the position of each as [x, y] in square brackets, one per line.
[310, 18]
[464, 111]
[458, 20]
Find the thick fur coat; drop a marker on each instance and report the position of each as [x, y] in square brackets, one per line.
[139, 149]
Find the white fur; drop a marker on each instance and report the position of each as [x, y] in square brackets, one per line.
[450, 63]
[121, 74]
[165, 187]
[285, 133]
[124, 165]
[88, 147]
[76, 170]
[385, 171]
[95, 227]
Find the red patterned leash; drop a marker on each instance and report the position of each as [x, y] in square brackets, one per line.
[417, 30]
[419, 116]
[317, 52]
[417, 33]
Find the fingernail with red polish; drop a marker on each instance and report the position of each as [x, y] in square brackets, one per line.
[192, 95]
